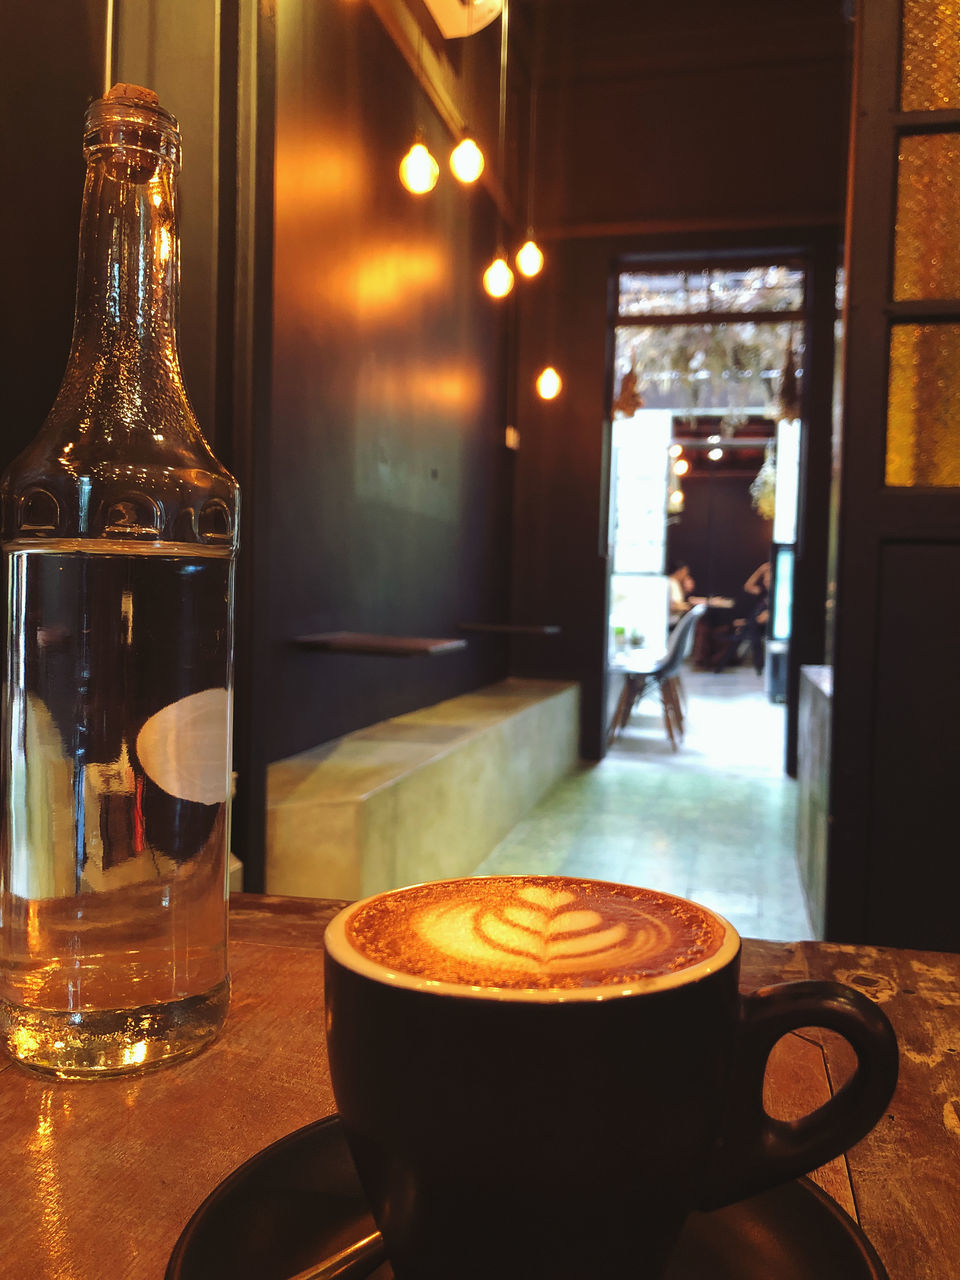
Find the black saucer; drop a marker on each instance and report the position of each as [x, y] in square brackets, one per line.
[297, 1204]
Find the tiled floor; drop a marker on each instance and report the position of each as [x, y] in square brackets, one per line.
[714, 821]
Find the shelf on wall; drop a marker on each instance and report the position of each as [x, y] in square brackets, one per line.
[508, 628]
[359, 642]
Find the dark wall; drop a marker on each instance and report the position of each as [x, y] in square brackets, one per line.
[719, 535]
[914, 881]
[673, 113]
[185, 51]
[389, 484]
[559, 533]
[51, 66]
[54, 62]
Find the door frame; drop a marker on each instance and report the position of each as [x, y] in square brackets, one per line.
[820, 250]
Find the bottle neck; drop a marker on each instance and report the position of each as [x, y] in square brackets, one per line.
[128, 280]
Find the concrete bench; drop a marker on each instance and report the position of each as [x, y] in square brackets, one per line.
[423, 796]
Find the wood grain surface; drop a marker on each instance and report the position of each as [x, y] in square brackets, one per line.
[99, 1179]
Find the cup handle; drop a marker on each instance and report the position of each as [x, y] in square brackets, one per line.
[756, 1151]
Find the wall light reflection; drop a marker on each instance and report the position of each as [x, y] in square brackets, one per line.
[452, 389]
[317, 175]
[389, 280]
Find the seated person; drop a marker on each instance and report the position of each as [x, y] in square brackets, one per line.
[681, 584]
[753, 628]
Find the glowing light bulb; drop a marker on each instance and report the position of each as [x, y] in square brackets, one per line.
[681, 467]
[549, 384]
[466, 161]
[715, 455]
[498, 278]
[676, 450]
[418, 170]
[529, 259]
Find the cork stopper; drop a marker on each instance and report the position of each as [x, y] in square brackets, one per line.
[129, 115]
[133, 93]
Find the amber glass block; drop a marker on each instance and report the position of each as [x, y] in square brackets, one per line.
[930, 71]
[923, 411]
[927, 254]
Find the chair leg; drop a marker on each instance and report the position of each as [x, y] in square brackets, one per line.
[675, 711]
[668, 713]
[639, 688]
[676, 694]
[622, 711]
[682, 693]
[635, 686]
[678, 706]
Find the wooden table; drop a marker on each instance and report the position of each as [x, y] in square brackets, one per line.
[99, 1179]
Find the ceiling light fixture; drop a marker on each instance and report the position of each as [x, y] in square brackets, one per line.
[458, 18]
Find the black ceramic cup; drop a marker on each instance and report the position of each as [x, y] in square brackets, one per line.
[539, 1078]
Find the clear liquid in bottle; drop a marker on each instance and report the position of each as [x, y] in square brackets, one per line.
[118, 754]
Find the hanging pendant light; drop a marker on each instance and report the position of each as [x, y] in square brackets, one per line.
[498, 278]
[466, 160]
[549, 383]
[529, 257]
[419, 171]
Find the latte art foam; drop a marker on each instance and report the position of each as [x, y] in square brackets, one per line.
[532, 933]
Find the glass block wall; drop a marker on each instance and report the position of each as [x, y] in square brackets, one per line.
[923, 420]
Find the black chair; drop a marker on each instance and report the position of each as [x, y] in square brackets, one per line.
[662, 677]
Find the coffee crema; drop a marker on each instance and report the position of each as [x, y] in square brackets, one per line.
[533, 933]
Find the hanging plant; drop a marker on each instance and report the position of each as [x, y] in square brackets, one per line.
[789, 393]
[629, 399]
[763, 487]
[698, 366]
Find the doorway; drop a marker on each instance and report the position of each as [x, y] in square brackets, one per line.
[706, 395]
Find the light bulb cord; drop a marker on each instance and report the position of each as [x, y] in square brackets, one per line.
[530, 164]
[504, 32]
[502, 126]
[532, 135]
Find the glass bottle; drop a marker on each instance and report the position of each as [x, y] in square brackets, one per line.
[119, 534]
